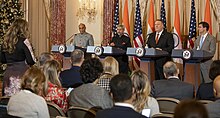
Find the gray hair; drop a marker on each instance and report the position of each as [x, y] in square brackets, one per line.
[170, 69]
[121, 26]
[76, 56]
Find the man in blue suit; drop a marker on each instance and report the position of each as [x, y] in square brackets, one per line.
[121, 90]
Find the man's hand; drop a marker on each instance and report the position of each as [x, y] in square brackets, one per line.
[112, 44]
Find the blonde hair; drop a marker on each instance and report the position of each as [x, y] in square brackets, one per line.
[142, 89]
[19, 28]
[110, 65]
[51, 71]
[35, 80]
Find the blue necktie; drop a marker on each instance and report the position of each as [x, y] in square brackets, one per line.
[201, 42]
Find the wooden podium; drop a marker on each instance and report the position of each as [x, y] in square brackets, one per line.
[104, 51]
[192, 59]
[65, 50]
[147, 59]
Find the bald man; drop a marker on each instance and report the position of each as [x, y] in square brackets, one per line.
[214, 108]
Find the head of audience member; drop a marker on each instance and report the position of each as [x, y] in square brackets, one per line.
[110, 65]
[34, 80]
[90, 70]
[120, 29]
[82, 28]
[216, 86]
[121, 88]
[190, 109]
[77, 57]
[170, 69]
[214, 70]
[19, 28]
[203, 28]
[142, 88]
[51, 70]
[44, 57]
[158, 25]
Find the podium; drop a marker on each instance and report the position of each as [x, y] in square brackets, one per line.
[104, 51]
[147, 59]
[192, 60]
[65, 50]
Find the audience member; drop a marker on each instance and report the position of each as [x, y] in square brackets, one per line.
[17, 53]
[122, 93]
[205, 90]
[83, 39]
[121, 41]
[142, 88]
[160, 40]
[89, 94]
[205, 41]
[214, 108]
[172, 87]
[27, 103]
[44, 57]
[190, 109]
[55, 92]
[71, 77]
[111, 68]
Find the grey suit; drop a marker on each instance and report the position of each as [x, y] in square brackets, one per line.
[214, 109]
[83, 40]
[209, 45]
[173, 88]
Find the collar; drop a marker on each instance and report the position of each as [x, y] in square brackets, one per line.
[159, 33]
[204, 36]
[124, 105]
[173, 77]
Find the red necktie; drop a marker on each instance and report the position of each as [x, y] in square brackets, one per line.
[157, 38]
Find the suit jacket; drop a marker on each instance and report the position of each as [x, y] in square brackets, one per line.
[209, 44]
[173, 88]
[205, 92]
[214, 109]
[119, 112]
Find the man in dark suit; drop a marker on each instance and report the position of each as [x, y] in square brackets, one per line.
[214, 108]
[173, 87]
[71, 77]
[207, 42]
[121, 41]
[205, 90]
[161, 40]
[121, 90]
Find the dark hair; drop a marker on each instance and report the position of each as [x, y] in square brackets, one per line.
[205, 25]
[190, 109]
[159, 20]
[76, 56]
[121, 87]
[90, 70]
[214, 70]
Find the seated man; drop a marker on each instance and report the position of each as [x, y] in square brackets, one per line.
[172, 87]
[71, 77]
[205, 90]
[214, 108]
[89, 94]
[121, 90]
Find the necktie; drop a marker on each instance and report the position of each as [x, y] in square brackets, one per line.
[157, 38]
[201, 42]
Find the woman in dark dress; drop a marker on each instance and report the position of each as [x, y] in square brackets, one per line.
[17, 53]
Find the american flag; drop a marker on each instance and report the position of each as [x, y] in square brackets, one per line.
[116, 18]
[138, 38]
[163, 14]
[192, 27]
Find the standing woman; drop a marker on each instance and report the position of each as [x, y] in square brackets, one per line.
[17, 53]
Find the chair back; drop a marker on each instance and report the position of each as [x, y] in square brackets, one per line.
[55, 110]
[3, 106]
[79, 112]
[167, 105]
[162, 116]
[205, 101]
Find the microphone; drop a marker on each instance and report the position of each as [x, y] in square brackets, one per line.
[71, 37]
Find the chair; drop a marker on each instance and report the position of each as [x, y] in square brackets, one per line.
[79, 112]
[162, 116]
[4, 100]
[55, 110]
[3, 106]
[167, 105]
[205, 101]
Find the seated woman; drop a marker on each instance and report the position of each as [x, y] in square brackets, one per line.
[111, 68]
[142, 90]
[27, 103]
[55, 92]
